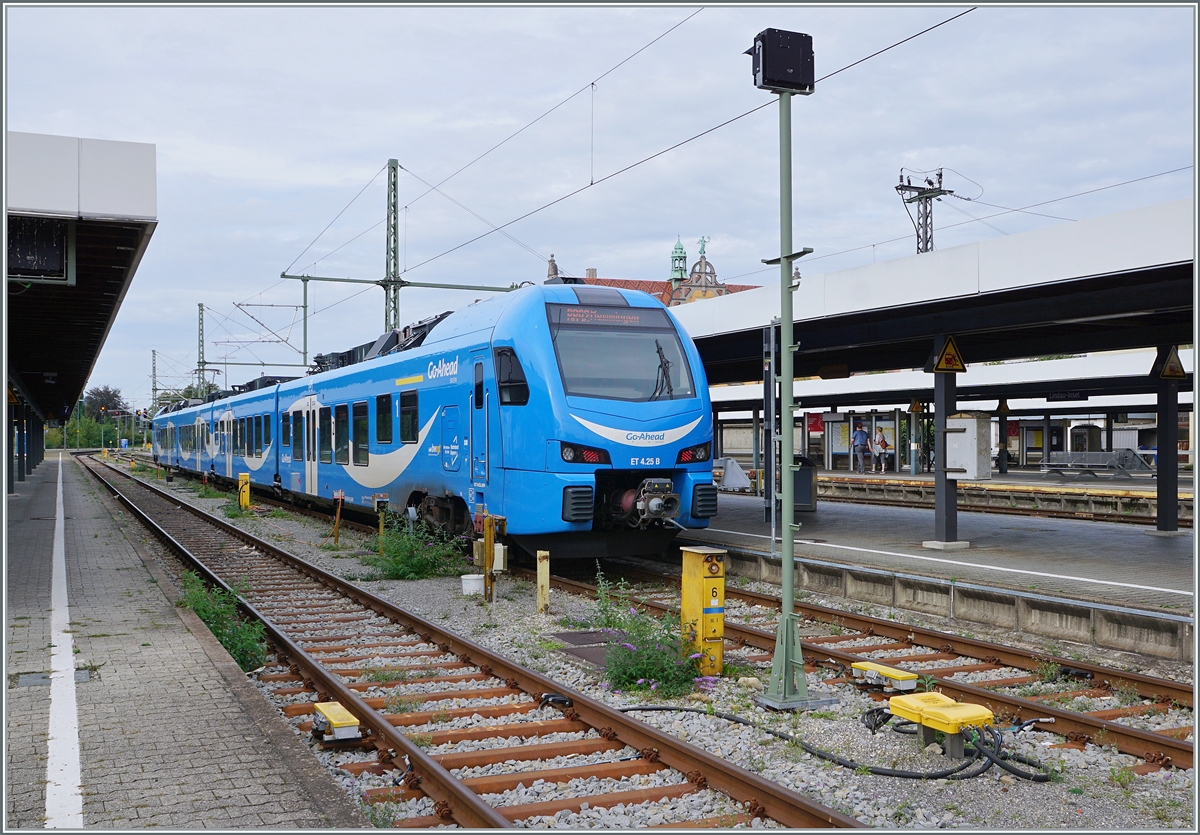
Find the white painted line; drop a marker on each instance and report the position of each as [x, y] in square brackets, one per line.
[64, 803]
[964, 564]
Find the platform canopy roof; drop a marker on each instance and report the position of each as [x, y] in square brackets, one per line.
[80, 214]
[1108, 283]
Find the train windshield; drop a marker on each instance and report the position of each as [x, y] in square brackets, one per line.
[619, 353]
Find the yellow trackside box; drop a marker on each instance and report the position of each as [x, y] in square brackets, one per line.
[702, 605]
[934, 710]
[335, 721]
[873, 673]
[244, 491]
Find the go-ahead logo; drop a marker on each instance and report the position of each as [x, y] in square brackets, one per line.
[631, 437]
[442, 369]
[653, 437]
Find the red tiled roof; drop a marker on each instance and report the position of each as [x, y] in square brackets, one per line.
[661, 290]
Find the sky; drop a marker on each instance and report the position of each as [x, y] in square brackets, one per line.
[270, 121]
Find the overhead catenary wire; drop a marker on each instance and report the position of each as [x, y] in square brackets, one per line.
[335, 217]
[680, 144]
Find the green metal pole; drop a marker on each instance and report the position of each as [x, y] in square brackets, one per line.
[788, 688]
[785, 341]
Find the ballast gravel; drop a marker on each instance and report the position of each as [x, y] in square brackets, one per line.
[1092, 789]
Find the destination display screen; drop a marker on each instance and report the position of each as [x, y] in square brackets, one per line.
[612, 317]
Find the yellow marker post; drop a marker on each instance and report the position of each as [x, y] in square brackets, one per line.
[492, 525]
[244, 491]
[702, 605]
[543, 582]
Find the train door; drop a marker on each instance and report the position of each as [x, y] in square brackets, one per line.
[479, 428]
[311, 439]
[227, 442]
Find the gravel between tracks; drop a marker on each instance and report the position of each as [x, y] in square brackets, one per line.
[1093, 789]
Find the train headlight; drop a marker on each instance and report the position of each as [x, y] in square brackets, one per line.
[693, 454]
[576, 454]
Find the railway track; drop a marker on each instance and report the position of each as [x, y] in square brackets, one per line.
[417, 692]
[999, 672]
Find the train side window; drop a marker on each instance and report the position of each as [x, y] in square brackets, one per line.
[383, 418]
[239, 435]
[297, 436]
[510, 378]
[285, 428]
[341, 431]
[326, 435]
[478, 385]
[410, 425]
[361, 439]
[258, 436]
[267, 430]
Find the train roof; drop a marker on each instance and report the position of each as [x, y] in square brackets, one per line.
[482, 315]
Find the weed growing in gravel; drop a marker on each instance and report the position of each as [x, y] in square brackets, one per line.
[1127, 694]
[378, 814]
[233, 510]
[377, 674]
[206, 492]
[644, 652]
[279, 513]
[1122, 777]
[421, 740]
[824, 714]
[416, 554]
[402, 704]
[572, 622]
[243, 639]
[1047, 671]
[925, 684]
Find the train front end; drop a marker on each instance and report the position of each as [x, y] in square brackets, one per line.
[628, 438]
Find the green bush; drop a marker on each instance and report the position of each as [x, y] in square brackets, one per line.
[644, 652]
[417, 554]
[242, 639]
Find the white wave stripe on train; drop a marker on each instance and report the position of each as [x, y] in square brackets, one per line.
[252, 462]
[639, 437]
[382, 470]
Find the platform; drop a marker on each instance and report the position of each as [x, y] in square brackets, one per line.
[1097, 561]
[163, 728]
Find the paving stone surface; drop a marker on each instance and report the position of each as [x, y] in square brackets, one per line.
[171, 733]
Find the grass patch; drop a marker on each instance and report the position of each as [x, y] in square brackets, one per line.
[644, 652]
[402, 704]
[243, 639]
[207, 492]
[233, 510]
[416, 554]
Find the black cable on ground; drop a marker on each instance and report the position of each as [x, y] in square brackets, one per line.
[955, 773]
[998, 757]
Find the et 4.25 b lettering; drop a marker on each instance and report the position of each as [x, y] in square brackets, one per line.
[643, 462]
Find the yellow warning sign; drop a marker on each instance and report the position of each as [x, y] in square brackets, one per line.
[1173, 369]
[949, 359]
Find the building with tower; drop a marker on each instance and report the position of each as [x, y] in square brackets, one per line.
[682, 287]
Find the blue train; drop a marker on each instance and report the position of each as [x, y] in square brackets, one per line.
[579, 413]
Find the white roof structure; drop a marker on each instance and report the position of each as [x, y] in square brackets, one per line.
[1132, 240]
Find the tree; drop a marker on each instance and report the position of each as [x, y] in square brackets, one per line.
[104, 397]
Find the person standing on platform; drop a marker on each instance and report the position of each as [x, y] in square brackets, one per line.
[879, 451]
[858, 442]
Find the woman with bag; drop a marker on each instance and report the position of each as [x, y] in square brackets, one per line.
[879, 451]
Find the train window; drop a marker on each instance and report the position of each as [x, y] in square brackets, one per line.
[258, 436]
[410, 426]
[610, 353]
[361, 439]
[239, 432]
[478, 385]
[285, 428]
[510, 378]
[267, 430]
[326, 436]
[297, 436]
[383, 418]
[341, 432]
[311, 453]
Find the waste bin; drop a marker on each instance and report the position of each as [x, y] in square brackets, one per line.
[804, 481]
